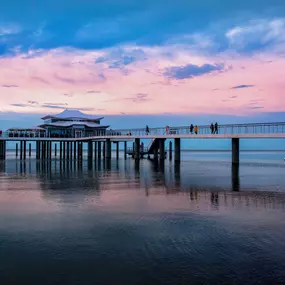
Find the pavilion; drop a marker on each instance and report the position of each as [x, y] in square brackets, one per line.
[73, 124]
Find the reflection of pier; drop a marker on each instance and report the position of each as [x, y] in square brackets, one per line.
[60, 178]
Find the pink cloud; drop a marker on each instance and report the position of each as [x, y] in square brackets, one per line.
[67, 76]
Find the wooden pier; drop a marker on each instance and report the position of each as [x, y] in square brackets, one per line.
[100, 146]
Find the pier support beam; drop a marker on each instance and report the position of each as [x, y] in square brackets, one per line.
[37, 150]
[55, 149]
[235, 150]
[137, 149]
[99, 150]
[177, 149]
[104, 149]
[17, 147]
[25, 149]
[67, 150]
[170, 150]
[90, 150]
[64, 152]
[1, 150]
[74, 150]
[95, 150]
[108, 149]
[60, 150]
[125, 150]
[161, 149]
[155, 152]
[21, 150]
[117, 150]
[30, 149]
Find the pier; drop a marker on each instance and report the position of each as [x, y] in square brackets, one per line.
[100, 145]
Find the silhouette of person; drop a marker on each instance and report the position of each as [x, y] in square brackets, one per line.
[216, 128]
[212, 128]
[147, 130]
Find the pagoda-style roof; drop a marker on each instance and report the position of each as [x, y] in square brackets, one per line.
[73, 123]
[73, 114]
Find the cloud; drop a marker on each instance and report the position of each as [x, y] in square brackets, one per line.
[42, 80]
[191, 70]
[261, 33]
[242, 86]
[138, 98]
[9, 86]
[121, 57]
[9, 30]
[93, 92]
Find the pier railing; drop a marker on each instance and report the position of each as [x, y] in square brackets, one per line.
[226, 129]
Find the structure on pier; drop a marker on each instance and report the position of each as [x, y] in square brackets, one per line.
[73, 124]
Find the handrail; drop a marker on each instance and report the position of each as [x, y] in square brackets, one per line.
[226, 129]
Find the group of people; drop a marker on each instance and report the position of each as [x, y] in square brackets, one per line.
[213, 127]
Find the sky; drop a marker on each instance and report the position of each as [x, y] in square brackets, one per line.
[160, 62]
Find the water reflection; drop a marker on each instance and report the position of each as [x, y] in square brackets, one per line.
[61, 178]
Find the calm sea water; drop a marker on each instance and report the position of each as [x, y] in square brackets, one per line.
[127, 223]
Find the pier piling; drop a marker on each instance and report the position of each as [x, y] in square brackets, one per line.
[108, 149]
[117, 150]
[177, 149]
[30, 149]
[235, 150]
[125, 150]
[170, 150]
[137, 148]
[161, 149]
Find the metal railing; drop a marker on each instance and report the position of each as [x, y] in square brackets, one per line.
[228, 129]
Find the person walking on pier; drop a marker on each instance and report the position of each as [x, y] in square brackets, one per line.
[147, 130]
[167, 129]
[212, 128]
[216, 128]
[196, 129]
[191, 129]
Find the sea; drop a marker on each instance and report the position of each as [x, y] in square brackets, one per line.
[202, 221]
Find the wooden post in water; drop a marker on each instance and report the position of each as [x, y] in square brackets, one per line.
[74, 150]
[64, 144]
[17, 146]
[25, 149]
[104, 149]
[71, 151]
[177, 150]
[30, 149]
[161, 149]
[95, 150]
[117, 150]
[67, 150]
[1, 150]
[99, 150]
[137, 148]
[235, 150]
[21, 150]
[155, 152]
[90, 150]
[108, 149]
[170, 150]
[55, 149]
[133, 152]
[125, 150]
[60, 150]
